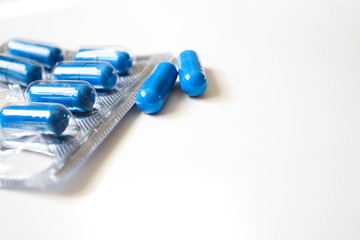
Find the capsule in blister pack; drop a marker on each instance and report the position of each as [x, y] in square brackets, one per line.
[35, 118]
[120, 60]
[19, 70]
[46, 54]
[77, 96]
[101, 75]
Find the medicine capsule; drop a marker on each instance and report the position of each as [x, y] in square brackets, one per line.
[52, 118]
[191, 74]
[120, 60]
[156, 88]
[76, 96]
[100, 75]
[44, 54]
[18, 71]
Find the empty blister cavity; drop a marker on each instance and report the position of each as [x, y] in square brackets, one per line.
[10, 93]
[19, 71]
[156, 88]
[77, 96]
[192, 76]
[45, 54]
[120, 60]
[35, 118]
[101, 75]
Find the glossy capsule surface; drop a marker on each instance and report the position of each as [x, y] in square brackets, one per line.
[156, 88]
[44, 54]
[18, 71]
[100, 75]
[120, 60]
[192, 76]
[53, 118]
[77, 97]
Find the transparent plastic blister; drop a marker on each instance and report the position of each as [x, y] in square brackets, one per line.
[38, 159]
[119, 57]
[21, 71]
[46, 54]
[101, 75]
[76, 96]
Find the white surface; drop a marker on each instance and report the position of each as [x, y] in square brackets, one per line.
[270, 151]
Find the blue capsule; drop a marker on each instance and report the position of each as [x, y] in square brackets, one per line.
[156, 88]
[76, 96]
[52, 118]
[100, 75]
[191, 74]
[18, 71]
[120, 60]
[44, 54]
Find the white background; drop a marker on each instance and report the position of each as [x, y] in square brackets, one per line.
[270, 151]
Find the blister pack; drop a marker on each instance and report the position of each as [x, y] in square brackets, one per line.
[57, 106]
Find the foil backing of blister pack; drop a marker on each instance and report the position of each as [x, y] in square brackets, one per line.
[39, 161]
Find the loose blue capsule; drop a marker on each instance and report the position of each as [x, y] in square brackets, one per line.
[52, 118]
[44, 54]
[120, 60]
[18, 71]
[99, 75]
[77, 97]
[191, 74]
[156, 88]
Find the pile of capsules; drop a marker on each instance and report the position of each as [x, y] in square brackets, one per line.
[55, 88]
